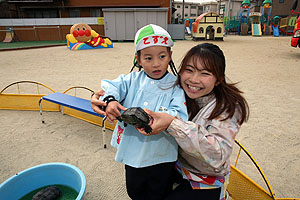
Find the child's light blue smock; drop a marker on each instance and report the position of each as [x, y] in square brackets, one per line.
[138, 90]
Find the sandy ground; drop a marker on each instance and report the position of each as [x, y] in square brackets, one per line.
[267, 69]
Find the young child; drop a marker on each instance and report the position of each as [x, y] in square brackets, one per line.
[216, 111]
[149, 159]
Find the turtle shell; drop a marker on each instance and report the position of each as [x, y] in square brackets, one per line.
[48, 193]
[136, 116]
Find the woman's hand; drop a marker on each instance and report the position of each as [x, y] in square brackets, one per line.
[95, 102]
[159, 122]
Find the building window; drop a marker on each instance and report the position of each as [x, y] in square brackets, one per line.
[186, 15]
[38, 14]
[178, 6]
[95, 12]
[53, 14]
[186, 6]
[219, 30]
[193, 15]
[74, 13]
[42, 13]
[201, 30]
[193, 7]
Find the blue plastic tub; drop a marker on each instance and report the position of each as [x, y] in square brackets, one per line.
[42, 175]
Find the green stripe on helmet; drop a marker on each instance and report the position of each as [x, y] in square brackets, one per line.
[148, 30]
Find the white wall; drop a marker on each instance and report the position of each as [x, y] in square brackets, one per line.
[48, 21]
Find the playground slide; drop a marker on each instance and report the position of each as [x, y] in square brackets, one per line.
[256, 30]
[8, 37]
[188, 30]
[275, 31]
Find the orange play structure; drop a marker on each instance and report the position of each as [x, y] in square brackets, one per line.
[9, 36]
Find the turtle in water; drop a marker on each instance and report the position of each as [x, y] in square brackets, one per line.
[48, 193]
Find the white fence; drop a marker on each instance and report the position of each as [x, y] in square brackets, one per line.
[48, 21]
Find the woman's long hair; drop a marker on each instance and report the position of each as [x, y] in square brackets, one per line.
[228, 96]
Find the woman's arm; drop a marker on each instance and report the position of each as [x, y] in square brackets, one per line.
[159, 122]
[211, 143]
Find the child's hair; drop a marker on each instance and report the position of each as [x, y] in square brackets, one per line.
[152, 35]
[228, 96]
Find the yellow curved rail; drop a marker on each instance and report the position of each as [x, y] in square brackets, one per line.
[256, 165]
[79, 87]
[18, 82]
[20, 101]
[241, 187]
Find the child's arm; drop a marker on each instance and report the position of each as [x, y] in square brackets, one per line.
[118, 87]
[177, 106]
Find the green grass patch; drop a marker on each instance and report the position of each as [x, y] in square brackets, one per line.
[23, 44]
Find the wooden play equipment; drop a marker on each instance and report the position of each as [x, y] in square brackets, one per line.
[244, 17]
[208, 26]
[241, 187]
[254, 18]
[275, 25]
[266, 10]
[9, 35]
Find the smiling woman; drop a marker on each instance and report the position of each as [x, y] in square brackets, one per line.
[197, 82]
[202, 72]
[216, 111]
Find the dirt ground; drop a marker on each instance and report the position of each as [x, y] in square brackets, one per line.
[267, 69]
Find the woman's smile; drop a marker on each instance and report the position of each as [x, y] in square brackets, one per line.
[193, 88]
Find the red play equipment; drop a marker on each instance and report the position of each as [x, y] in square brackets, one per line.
[296, 35]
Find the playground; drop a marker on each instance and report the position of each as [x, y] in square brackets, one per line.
[267, 70]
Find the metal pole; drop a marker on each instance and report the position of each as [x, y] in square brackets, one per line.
[35, 34]
[228, 8]
[183, 12]
[219, 7]
[59, 35]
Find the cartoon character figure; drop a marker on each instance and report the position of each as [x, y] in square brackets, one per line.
[119, 134]
[83, 33]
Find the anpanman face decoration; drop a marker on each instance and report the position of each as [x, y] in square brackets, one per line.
[81, 32]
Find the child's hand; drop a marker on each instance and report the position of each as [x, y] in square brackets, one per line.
[96, 103]
[112, 110]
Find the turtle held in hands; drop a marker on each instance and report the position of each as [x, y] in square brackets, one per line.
[137, 117]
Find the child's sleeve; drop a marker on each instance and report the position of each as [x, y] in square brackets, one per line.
[177, 105]
[117, 87]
